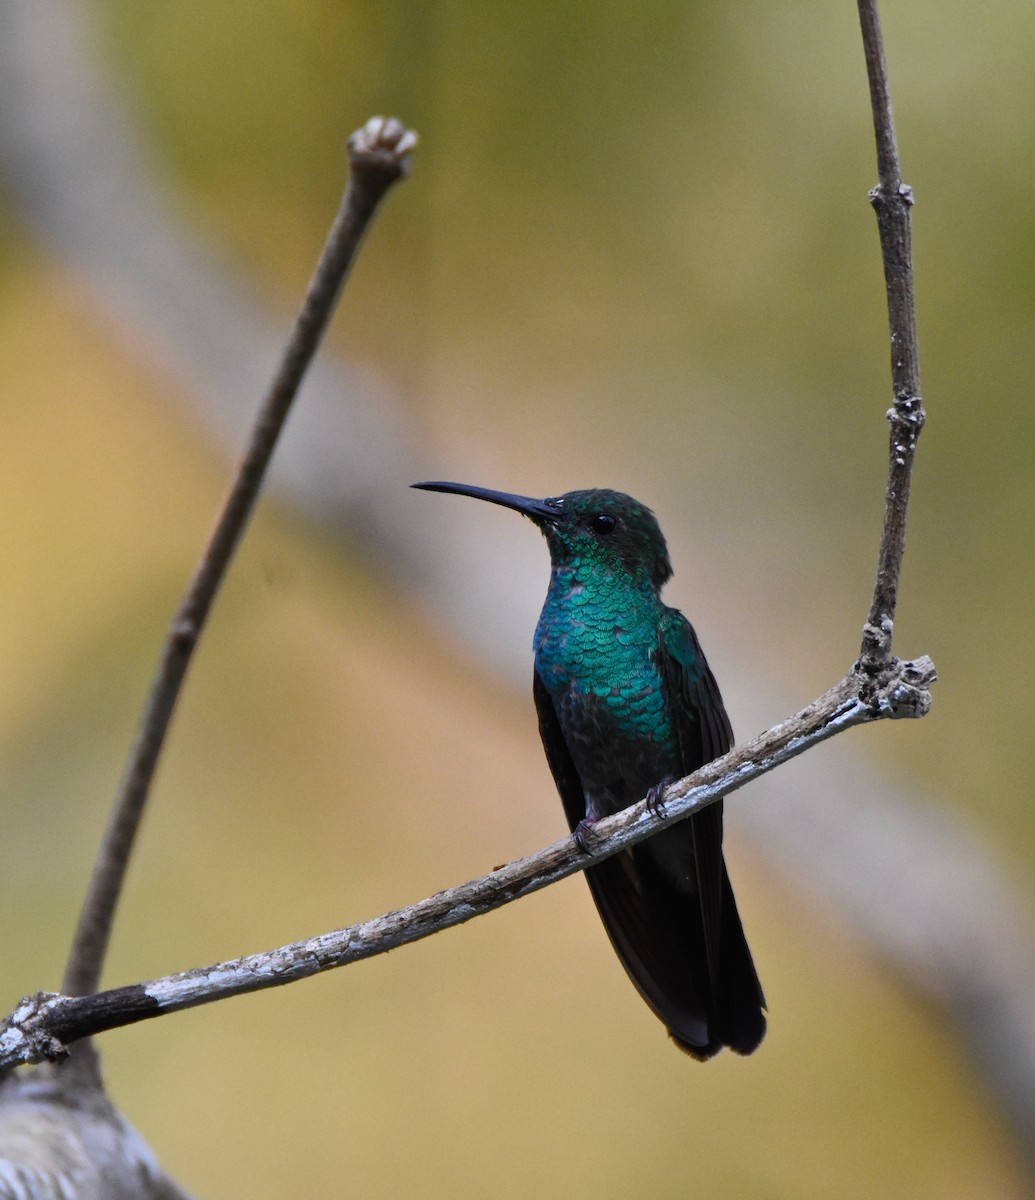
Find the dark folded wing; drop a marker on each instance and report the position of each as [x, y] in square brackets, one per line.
[703, 733]
[655, 928]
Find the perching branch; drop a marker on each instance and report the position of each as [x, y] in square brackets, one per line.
[379, 154]
[892, 199]
[45, 1024]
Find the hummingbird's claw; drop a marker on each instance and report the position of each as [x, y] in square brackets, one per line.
[655, 798]
[585, 837]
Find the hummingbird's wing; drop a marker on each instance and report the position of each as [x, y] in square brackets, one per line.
[703, 732]
[559, 759]
[656, 929]
[702, 726]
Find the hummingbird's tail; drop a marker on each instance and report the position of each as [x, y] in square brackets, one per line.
[737, 1013]
[658, 932]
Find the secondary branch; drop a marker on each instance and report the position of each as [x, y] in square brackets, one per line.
[379, 154]
[892, 199]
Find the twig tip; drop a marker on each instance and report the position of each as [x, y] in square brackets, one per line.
[383, 143]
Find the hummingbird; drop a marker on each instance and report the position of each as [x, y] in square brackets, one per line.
[627, 704]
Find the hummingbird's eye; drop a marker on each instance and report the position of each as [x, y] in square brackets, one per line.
[603, 523]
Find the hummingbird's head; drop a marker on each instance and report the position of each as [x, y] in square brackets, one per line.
[595, 525]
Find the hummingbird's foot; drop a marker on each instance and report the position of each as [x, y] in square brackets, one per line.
[585, 836]
[655, 797]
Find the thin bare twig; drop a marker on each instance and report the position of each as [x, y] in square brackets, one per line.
[379, 154]
[892, 199]
[44, 1025]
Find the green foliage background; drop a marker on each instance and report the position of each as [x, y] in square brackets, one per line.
[636, 251]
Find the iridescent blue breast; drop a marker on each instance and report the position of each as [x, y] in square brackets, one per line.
[595, 649]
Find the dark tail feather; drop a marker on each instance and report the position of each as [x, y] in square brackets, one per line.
[737, 1012]
[658, 933]
[741, 1006]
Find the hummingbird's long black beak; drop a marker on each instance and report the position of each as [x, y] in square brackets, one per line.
[536, 510]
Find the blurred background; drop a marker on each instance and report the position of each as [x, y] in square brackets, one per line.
[635, 252]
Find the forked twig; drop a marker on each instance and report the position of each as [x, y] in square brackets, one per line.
[379, 154]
